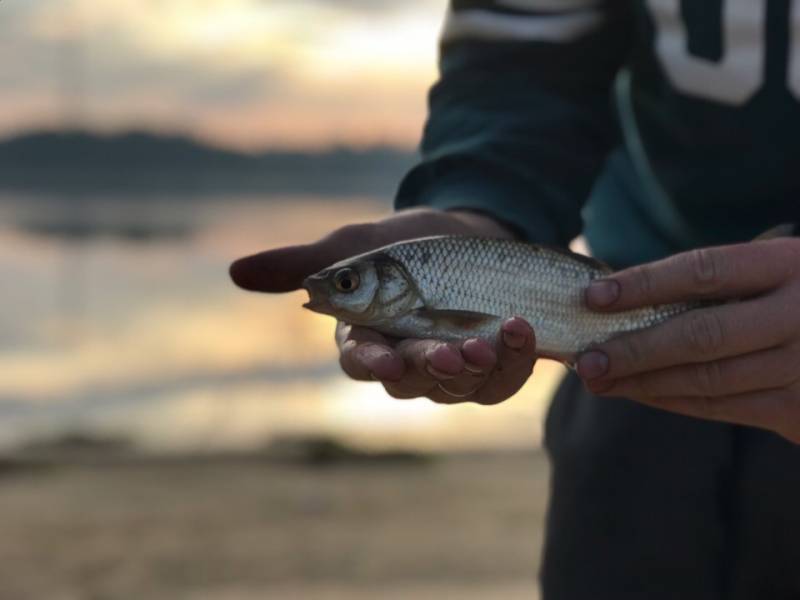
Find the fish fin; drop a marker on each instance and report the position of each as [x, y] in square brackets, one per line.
[779, 231]
[463, 319]
[589, 261]
[600, 266]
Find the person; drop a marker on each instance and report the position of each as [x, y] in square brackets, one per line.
[667, 133]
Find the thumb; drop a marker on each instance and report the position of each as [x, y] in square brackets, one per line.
[278, 270]
[283, 269]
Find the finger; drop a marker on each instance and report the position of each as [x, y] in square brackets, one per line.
[427, 362]
[283, 269]
[776, 410]
[365, 355]
[479, 361]
[479, 356]
[737, 271]
[772, 368]
[516, 356]
[700, 335]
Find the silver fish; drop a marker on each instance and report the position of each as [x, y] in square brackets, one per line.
[454, 288]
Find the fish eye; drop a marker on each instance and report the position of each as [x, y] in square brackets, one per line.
[346, 280]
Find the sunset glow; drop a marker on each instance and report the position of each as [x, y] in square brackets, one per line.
[154, 342]
[239, 72]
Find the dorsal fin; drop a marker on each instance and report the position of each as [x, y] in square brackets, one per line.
[589, 261]
[779, 231]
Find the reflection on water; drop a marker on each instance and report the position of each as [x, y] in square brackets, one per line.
[143, 334]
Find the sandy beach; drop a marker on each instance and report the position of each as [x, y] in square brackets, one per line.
[241, 528]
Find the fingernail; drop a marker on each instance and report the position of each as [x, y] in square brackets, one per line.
[515, 333]
[513, 341]
[592, 365]
[479, 356]
[437, 373]
[603, 292]
[378, 359]
[448, 362]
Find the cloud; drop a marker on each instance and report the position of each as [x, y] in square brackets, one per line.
[230, 66]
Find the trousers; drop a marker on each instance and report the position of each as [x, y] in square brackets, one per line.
[645, 504]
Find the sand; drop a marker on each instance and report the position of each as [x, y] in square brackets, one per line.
[233, 529]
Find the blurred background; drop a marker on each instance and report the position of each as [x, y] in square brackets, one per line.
[165, 435]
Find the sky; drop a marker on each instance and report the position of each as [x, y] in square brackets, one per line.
[241, 73]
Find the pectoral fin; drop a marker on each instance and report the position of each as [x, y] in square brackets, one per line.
[783, 230]
[457, 319]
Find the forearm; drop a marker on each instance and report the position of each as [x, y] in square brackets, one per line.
[520, 126]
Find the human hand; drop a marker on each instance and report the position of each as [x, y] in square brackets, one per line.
[737, 362]
[471, 371]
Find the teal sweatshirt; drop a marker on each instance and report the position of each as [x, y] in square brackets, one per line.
[650, 126]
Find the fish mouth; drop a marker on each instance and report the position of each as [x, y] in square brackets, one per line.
[317, 306]
[316, 299]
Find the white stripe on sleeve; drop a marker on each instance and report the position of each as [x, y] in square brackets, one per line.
[492, 26]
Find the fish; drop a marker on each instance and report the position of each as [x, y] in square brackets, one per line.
[454, 288]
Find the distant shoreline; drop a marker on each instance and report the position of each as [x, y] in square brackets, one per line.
[135, 164]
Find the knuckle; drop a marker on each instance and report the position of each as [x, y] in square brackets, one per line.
[703, 333]
[642, 276]
[706, 266]
[633, 351]
[706, 379]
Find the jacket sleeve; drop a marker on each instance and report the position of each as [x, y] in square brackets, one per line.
[520, 121]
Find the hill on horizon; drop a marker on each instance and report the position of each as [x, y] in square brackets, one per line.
[137, 163]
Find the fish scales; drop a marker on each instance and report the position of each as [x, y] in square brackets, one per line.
[507, 278]
[457, 287]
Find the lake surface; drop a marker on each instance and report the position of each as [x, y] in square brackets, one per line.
[118, 317]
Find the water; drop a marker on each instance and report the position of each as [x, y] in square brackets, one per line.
[118, 317]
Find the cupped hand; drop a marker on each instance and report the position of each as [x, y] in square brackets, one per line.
[474, 370]
[736, 361]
